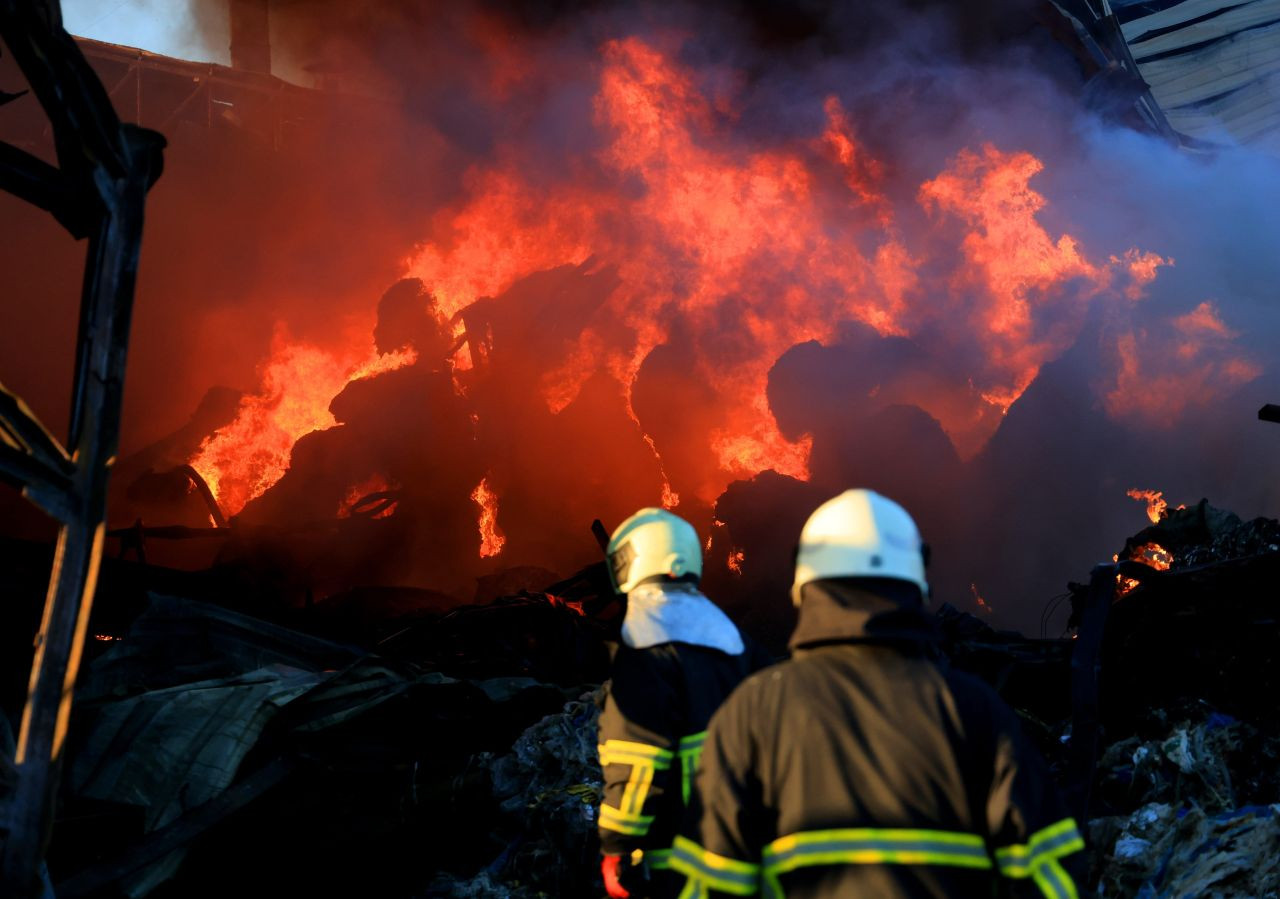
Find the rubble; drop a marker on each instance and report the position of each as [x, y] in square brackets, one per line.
[549, 787]
[453, 753]
[1187, 784]
[200, 711]
[1162, 850]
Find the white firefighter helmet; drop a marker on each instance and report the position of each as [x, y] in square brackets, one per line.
[650, 543]
[860, 534]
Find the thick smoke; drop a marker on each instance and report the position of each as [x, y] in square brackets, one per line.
[872, 318]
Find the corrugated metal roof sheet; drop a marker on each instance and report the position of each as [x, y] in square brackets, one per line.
[1213, 66]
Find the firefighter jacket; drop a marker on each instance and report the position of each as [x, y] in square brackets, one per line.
[861, 767]
[680, 657]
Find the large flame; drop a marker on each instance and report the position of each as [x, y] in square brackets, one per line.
[743, 244]
[242, 460]
[754, 244]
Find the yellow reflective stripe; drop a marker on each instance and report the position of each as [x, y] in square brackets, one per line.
[617, 820]
[637, 789]
[1054, 881]
[713, 871]
[690, 751]
[644, 761]
[872, 846]
[624, 752]
[1051, 843]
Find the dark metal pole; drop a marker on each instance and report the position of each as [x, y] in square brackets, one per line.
[98, 190]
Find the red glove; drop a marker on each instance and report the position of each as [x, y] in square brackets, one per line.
[611, 867]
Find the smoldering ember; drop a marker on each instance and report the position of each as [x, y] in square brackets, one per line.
[373, 320]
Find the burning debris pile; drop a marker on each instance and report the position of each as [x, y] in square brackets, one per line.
[1202, 535]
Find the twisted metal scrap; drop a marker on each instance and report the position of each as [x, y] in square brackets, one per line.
[97, 191]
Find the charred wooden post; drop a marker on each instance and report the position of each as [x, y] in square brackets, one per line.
[98, 190]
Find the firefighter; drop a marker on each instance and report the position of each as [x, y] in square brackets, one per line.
[861, 767]
[678, 659]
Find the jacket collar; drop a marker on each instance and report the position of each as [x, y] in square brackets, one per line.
[862, 610]
[660, 613]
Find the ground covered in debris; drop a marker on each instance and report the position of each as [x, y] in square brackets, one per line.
[452, 752]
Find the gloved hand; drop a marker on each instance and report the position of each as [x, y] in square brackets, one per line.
[611, 868]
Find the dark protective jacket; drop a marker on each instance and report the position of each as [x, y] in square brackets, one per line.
[861, 767]
[651, 729]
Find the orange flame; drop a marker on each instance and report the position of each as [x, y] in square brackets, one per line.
[670, 499]
[715, 231]
[748, 245]
[736, 558]
[491, 537]
[1152, 554]
[1157, 506]
[241, 461]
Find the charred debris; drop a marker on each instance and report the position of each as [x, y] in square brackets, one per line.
[451, 751]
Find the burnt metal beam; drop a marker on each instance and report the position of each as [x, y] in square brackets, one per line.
[97, 190]
[1086, 679]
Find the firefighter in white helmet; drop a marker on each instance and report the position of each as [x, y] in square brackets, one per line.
[679, 657]
[860, 767]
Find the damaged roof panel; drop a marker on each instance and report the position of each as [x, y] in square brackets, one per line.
[1213, 66]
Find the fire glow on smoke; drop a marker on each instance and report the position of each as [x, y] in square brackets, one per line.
[751, 247]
